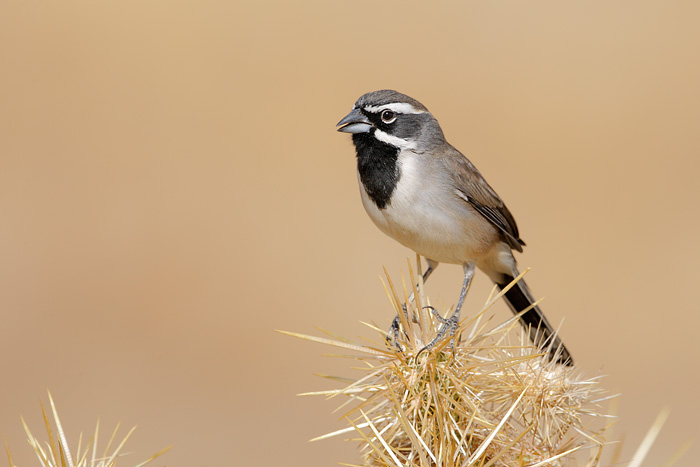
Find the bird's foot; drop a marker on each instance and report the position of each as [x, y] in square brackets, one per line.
[449, 327]
[392, 337]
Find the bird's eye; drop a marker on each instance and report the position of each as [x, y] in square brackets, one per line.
[388, 116]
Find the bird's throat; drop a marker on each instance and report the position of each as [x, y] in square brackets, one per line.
[377, 164]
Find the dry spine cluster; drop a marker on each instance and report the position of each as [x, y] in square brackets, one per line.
[485, 402]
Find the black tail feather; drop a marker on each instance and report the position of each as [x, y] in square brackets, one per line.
[541, 332]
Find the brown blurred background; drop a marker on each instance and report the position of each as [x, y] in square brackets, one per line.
[172, 189]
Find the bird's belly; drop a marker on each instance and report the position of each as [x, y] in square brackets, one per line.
[420, 221]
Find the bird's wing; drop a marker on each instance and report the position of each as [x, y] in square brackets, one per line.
[471, 187]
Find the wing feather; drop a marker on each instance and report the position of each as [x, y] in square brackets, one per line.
[471, 187]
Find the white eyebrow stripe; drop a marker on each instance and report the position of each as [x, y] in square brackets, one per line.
[398, 107]
[394, 140]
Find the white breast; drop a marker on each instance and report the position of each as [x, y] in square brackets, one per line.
[425, 215]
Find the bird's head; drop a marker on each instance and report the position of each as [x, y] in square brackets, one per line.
[392, 118]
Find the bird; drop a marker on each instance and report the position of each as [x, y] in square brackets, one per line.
[425, 194]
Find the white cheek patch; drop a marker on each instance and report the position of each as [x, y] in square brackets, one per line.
[394, 140]
[398, 107]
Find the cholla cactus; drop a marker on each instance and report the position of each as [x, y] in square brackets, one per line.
[56, 453]
[485, 402]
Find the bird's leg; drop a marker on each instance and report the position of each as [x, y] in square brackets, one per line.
[396, 323]
[450, 324]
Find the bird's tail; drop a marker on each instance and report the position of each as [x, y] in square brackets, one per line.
[541, 332]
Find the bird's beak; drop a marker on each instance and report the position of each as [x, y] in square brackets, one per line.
[354, 122]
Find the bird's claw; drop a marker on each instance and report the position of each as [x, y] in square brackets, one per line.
[393, 334]
[448, 324]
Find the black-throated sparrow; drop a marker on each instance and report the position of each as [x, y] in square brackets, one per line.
[428, 196]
